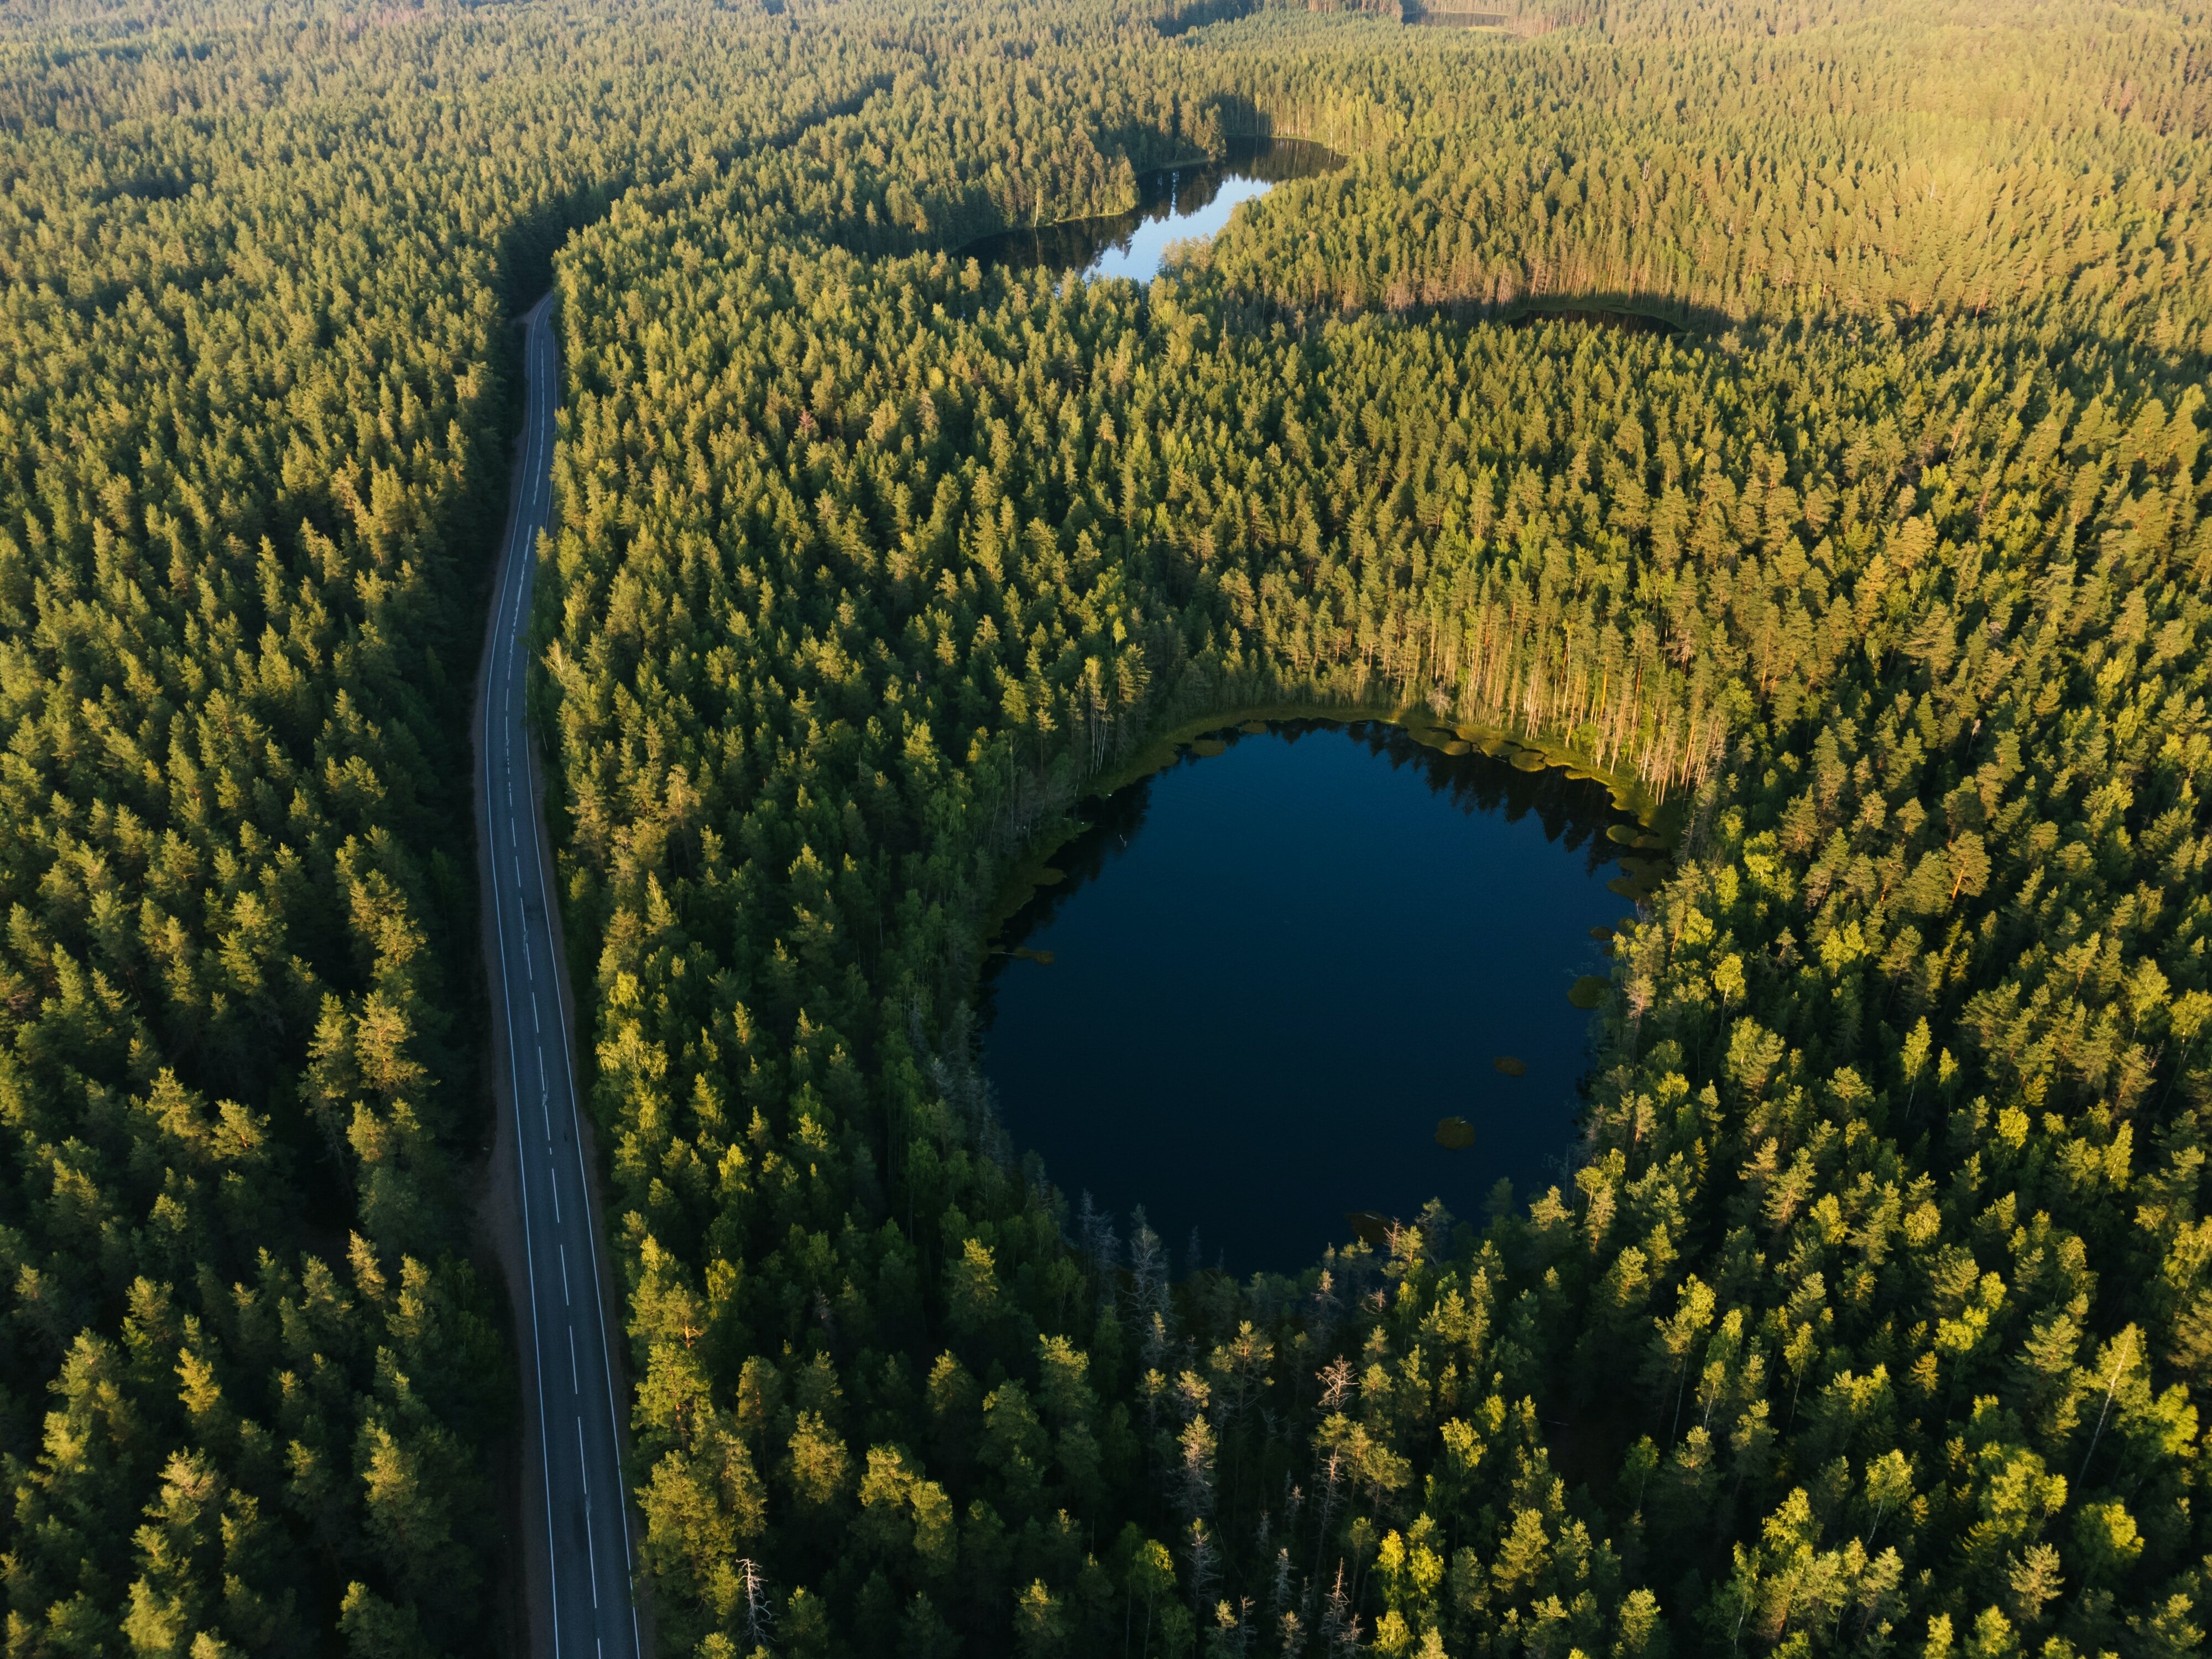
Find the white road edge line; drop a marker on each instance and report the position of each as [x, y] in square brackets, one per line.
[598, 1293]
[538, 485]
[522, 1171]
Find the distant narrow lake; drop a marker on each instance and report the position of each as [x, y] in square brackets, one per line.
[1178, 205]
[1276, 968]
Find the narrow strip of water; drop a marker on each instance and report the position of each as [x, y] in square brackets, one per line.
[1178, 204]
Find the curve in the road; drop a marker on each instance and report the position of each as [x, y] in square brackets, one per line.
[579, 1573]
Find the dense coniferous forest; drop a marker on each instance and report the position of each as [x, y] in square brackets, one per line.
[1872, 1316]
[253, 410]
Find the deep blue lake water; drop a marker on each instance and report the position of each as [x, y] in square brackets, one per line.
[1275, 969]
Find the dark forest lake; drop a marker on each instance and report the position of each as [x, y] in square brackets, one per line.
[1274, 970]
[1177, 204]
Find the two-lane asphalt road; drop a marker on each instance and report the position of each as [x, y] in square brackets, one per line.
[576, 1507]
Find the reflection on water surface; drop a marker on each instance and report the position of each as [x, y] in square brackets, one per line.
[1178, 205]
[1279, 969]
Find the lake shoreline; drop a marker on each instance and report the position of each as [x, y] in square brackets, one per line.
[1086, 244]
[1319, 956]
[1024, 878]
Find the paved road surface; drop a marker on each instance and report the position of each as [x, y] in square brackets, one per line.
[576, 1518]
